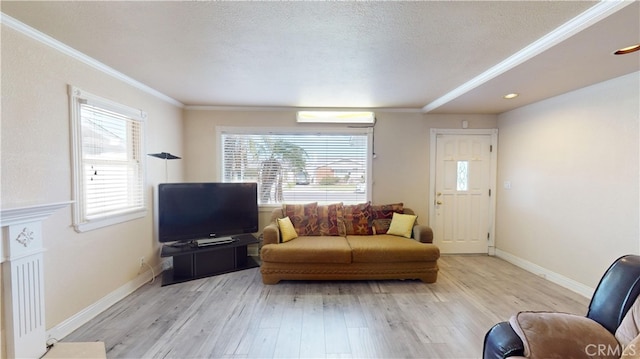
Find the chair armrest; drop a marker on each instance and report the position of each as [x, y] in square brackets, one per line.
[502, 342]
[562, 335]
[271, 234]
[422, 233]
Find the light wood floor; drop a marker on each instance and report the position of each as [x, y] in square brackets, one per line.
[236, 316]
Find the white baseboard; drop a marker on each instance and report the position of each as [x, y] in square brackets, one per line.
[68, 326]
[554, 277]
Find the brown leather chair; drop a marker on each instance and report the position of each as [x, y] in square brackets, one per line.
[614, 295]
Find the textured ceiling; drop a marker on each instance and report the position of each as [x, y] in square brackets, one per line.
[336, 54]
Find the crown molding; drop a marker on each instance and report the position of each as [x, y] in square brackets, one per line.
[591, 16]
[294, 108]
[77, 55]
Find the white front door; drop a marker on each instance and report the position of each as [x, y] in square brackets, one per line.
[462, 208]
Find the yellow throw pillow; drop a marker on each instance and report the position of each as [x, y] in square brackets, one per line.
[402, 224]
[287, 231]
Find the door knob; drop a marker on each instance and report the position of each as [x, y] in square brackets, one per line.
[439, 202]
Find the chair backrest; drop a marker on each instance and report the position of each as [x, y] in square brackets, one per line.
[616, 292]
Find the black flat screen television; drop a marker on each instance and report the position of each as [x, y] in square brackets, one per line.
[191, 211]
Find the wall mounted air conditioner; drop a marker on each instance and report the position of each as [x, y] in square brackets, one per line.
[347, 117]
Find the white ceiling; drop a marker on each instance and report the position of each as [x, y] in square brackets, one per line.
[434, 56]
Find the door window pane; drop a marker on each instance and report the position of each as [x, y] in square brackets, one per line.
[463, 176]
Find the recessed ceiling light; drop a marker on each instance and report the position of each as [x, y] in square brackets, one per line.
[627, 50]
[511, 95]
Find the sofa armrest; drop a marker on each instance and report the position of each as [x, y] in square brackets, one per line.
[271, 234]
[422, 233]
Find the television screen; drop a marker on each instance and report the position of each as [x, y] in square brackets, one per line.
[190, 211]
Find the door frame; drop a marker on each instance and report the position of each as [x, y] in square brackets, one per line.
[493, 132]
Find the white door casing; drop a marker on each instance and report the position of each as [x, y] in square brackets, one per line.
[463, 177]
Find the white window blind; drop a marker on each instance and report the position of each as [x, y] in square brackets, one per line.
[298, 167]
[108, 165]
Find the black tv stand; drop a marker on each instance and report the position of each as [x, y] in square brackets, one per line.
[181, 244]
[192, 262]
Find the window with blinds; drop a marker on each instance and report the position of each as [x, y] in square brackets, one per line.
[299, 166]
[108, 162]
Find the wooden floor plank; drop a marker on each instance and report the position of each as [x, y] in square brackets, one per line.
[335, 326]
[236, 316]
[290, 330]
[312, 340]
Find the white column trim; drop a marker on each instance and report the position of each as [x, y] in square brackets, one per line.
[21, 253]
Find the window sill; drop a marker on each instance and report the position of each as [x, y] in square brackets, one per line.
[109, 221]
[268, 208]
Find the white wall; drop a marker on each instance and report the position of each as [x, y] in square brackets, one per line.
[573, 163]
[401, 144]
[3, 347]
[80, 269]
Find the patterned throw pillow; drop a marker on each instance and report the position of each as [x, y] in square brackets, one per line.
[382, 214]
[304, 217]
[381, 226]
[356, 219]
[330, 222]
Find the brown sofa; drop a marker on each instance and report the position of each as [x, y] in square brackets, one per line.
[334, 252]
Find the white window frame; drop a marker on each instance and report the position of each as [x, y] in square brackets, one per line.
[368, 131]
[81, 221]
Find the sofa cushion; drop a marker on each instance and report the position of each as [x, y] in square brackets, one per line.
[304, 217]
[381, 215]
[357, 219]
[385, 248]
[330, 220]
[309, 249]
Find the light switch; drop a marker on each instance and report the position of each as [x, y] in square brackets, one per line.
[507, 184]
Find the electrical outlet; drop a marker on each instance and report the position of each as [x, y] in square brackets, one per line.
[142, 261]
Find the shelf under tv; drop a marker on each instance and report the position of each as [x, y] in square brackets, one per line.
[193, 262]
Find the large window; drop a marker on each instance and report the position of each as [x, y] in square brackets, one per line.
[108, 161]
[296, 166]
